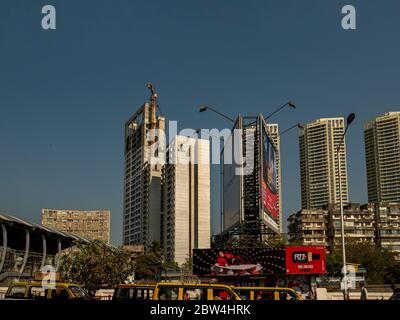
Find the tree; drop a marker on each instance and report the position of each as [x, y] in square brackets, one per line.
[187, 266]
[96, 263]
[380, 264]
[152, 264]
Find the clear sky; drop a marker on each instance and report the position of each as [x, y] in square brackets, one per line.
[65, 94]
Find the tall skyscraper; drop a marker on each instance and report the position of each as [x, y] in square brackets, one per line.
[186, 185]
[382, 153]
[319, 163]
[273, 131]
[142, 178]
[92, 225]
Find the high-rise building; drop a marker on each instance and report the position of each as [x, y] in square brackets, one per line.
[186, 185]
[142, 177]
[92, 225]
[273, 131]
[382, 153]
[319, 163]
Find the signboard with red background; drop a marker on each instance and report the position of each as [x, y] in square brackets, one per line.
[305, 260]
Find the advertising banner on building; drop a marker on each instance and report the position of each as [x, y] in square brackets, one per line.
[268, 176]
[238, 262]
[305, 260]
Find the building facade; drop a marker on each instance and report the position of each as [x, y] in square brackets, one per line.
[369, 223]
[319, 163]
[273, 131]
[359, 224]
[388, 226]
[142, 211]
[382, 154]
[309, 227]
[92, 225]
[186, 195]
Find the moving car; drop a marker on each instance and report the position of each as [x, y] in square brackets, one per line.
[35, 290]
[193, 291]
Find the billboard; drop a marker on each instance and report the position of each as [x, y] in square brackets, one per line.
[305, 260]
[269, 210]
[238, 261]
[291, 260]
[231, 181]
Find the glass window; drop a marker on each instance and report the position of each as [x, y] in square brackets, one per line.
[78, 292]
[17, 292]
[37, 293]
[143, 294]
[124, 293]
[194, 294]
[222, 294]
[59, 293]
[168, 293]
[244, 294]
[264, 295]
[287, 295]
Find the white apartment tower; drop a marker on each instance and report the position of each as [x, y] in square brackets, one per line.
[186, 184]
[273, 131]
[142, 178]
[319, 163]
[382, 154]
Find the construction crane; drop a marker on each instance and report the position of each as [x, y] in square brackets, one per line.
[153, 107]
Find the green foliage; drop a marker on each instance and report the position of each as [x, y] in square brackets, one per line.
[152, 264]
[379, 263]
[96, 263]
[334, 264]
[187, 266]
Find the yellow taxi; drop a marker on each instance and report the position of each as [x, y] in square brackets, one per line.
[35, 290]
[130, 291]
[193, 291]
[267, 293]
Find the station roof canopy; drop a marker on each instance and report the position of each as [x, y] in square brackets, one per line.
[16, 235]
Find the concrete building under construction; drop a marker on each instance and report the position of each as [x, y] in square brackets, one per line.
[142, 175]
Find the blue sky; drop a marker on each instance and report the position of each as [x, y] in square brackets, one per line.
[65, 94]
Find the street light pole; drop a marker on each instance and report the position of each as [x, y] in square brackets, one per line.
[349, 120]
[297, 125]
[289, 103]
[205, 108]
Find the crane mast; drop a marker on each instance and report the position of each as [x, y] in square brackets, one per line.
[153, 107]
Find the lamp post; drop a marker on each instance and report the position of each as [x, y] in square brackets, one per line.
[349, 120]
[204, 108]
[297, 125]
[289, 104]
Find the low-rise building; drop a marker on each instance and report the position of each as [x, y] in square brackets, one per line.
[92, 225]
[308, 227]
[388, 227]
[359, 223]
[369, 223]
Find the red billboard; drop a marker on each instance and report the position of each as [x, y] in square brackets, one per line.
[268, 175]
[305, 260]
